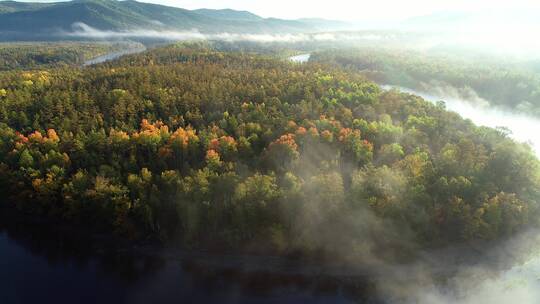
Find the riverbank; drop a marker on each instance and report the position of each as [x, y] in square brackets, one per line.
[23, 226]
[85, 267]
[98, 242]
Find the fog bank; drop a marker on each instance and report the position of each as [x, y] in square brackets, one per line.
[522, 127]
[82, 30]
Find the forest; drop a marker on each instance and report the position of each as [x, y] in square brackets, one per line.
[248, 152]
[502, 81]
[34, 55]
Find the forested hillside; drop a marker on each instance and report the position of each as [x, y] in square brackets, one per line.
[505, 85]
[242, 151]
[14, 6]
[38, 21]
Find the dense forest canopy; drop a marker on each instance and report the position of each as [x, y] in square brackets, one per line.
[498, 80]
[246, 151]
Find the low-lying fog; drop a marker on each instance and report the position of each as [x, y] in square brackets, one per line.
[522, 127]
[495, 282]
[519, 284]
[82, 30]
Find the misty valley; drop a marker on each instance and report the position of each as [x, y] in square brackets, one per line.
[151, 153]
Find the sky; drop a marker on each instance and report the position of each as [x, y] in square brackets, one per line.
[351, 10]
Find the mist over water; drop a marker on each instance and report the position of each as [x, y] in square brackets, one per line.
[508, 277]
[82, 30]
[517, 283]
[523, 127]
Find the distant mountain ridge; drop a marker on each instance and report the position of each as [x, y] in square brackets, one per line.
[23, 20]
[229, 14]
[13, 6]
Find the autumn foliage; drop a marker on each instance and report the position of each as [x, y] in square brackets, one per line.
[227, 149]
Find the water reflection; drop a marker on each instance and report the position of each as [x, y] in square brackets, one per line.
[40, 263]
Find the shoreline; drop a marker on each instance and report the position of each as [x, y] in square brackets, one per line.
[460, 255]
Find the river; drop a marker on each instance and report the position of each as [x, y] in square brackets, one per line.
[38, 263]
[303, 58]
[117, 54]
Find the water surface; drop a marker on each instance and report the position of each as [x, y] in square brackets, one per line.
[303, 58]
[39, 265]
[115, 55]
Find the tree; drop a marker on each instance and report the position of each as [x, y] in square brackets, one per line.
[25, 159]
[383, 189]
[504, 214]
[112, 203]
[389, 154]
[282, 152]
[255, 202]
